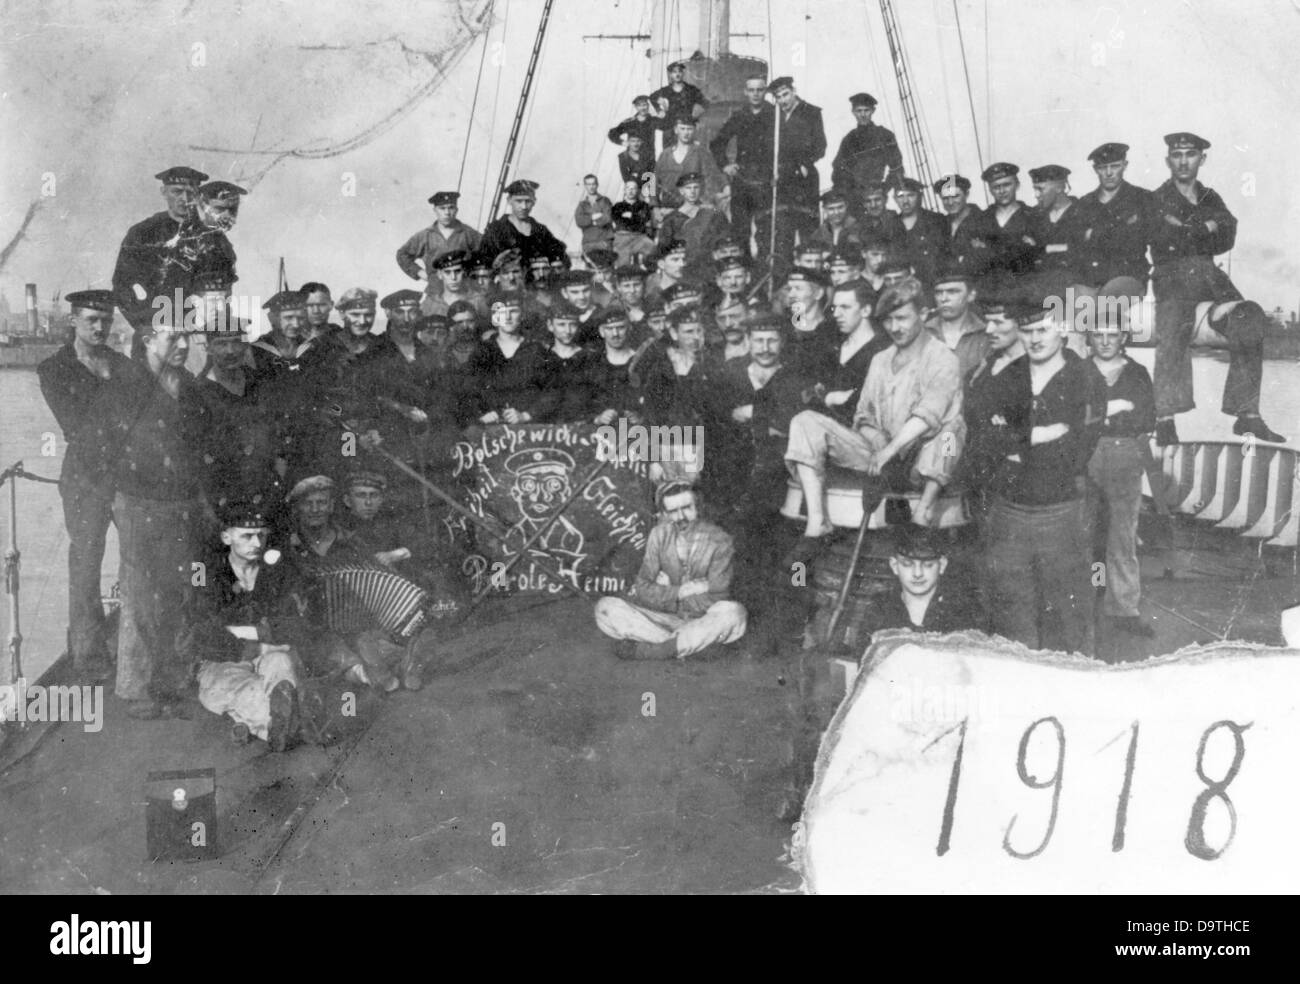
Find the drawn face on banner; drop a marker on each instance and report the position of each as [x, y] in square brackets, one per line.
[542, 481]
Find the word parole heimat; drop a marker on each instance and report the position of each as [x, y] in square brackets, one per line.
[101, 937]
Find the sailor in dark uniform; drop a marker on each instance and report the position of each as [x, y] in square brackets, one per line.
[868, 153]
[922, 234]
[1006, 226]
[141, 441]
[229, 416]
[1057, 229]
[518, 230]
[148, 264]
[749, 129]
[71, 381]
[965, 247]
[875, 219]
[278, 350]
[1191, 226]
[1116, 220]
[505, 378]
[677, 98]
[802, 145]
[642, 124]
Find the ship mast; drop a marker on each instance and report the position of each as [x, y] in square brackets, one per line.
[911, 116]
[523, 105]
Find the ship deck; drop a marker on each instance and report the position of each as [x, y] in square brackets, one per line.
[528, 763]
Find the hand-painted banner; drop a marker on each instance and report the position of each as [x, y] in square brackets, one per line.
[521, 476]
[963, 764]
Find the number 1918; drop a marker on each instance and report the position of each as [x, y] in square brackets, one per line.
[1194, 841]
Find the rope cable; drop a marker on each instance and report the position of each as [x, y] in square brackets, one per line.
[469, 126]
[970, 95]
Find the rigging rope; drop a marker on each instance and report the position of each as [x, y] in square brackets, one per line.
[970, 96]
[947, 103]
[492, 128]
[469, 126]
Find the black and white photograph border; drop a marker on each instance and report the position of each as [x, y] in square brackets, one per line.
[649, 447]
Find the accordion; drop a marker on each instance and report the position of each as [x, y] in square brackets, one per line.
[362, 596]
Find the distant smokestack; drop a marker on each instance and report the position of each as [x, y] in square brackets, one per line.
[33, 323]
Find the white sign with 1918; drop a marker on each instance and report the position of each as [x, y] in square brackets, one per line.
[965, 764]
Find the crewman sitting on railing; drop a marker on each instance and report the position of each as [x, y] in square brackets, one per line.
[907, 432]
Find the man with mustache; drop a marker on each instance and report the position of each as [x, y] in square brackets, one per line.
[907, 431]
[167, 252]
[680, 604]
[71, 381]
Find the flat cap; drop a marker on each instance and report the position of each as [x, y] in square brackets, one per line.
[362, 298]
[522, 186]
[1109, 153]
[572, 278]
[451, 258]
[285, 300]
[507, 259]
[434, 322]
[316, 483]
[243, 513]
[950, 181]
[444, 198]
[400, 297]
[805, 276]
[612, 315]
[1001, 169]
[891, 299]
[181, 175]
[670, 247]
[504, 298]
[222, 192]
[680, 291]
[676, 64]
[765, 321]
[687, 314]
[1015, 305]
[1049, 172]
[91, 300]
[862, 99]
[782, 82]
[638, 100]
[365, 478]
[953, 273]
[1182, 140]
